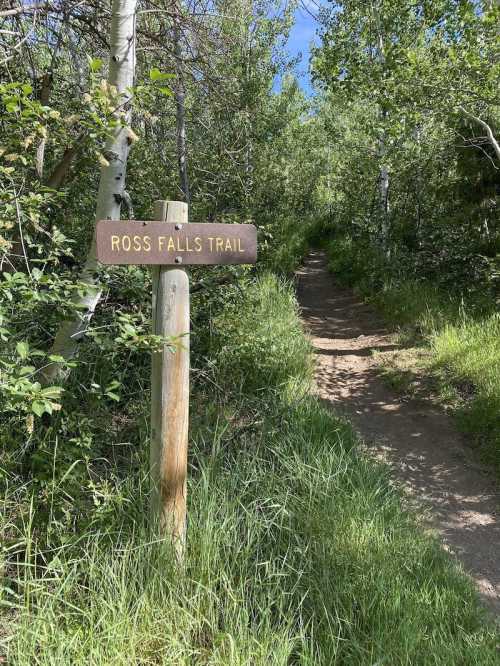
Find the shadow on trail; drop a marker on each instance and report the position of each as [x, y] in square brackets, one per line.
[419, 442]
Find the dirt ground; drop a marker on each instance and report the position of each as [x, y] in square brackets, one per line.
[420, 443]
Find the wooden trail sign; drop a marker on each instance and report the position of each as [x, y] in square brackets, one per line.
[134, 242]
[168, 243]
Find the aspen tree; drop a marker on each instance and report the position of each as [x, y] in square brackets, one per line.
[112, 180]
[180, 111]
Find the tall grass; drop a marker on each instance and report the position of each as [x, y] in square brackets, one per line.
[463, 334]
[299, 551]
[256, 342]
[470, 351]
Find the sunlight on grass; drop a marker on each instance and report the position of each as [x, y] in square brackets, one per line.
[299, 551]
[464, 339]
[470, 351]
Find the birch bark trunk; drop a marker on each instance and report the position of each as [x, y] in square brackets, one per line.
[384, 197]
[112, 180]
[180, 104]
[384, 171]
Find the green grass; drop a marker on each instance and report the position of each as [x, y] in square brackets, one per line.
[299, 550]
[470, 353]
[256, 342]
[463, 336]
[465, 349]
[417, 308]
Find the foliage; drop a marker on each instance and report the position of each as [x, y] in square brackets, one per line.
[393, 104]
[298, 548]
[470, 353]
[56, 115]
[257, 340]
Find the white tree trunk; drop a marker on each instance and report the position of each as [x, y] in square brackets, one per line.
[112, 181]
[384, 171]
[180, 104]
[384, 205]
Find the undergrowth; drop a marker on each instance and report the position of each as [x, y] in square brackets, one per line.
[299, 550]
[470, 352]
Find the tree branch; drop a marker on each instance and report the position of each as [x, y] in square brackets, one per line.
[26, 9]
[489, 132]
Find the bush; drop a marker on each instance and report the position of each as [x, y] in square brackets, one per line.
[283, 244]
[356, 263]
[257, 341]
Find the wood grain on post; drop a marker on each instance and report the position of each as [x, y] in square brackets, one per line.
[170, 391]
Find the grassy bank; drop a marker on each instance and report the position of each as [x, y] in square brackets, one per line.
[299, 551]
[470, 353]
[462, 334]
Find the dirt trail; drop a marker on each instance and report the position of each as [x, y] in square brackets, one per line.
[419, 442]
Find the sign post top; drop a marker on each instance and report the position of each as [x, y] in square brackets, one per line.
[166, 243]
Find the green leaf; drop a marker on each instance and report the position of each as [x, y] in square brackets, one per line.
[23, 349]
[38, 407]
[165, 91]
[128, 328]
[156, 75]
[95, 64]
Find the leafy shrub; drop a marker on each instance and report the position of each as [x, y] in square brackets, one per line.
[356, 263]
[257, 341]
[283, 244]
[320, 232]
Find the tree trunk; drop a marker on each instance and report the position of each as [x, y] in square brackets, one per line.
[384, 171]
[384, 201]
[180, 96]
[46, 88]
[112, 180]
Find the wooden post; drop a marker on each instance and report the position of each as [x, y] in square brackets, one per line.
[165, 244]
[170, 391]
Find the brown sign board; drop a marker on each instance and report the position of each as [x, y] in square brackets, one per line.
[154, 242]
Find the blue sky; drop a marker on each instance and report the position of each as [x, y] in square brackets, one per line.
[301, 36]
